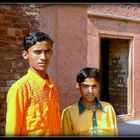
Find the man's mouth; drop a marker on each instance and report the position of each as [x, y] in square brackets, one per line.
[90, 95]
[43, 63]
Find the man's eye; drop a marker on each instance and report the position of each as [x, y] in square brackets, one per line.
[48, 51]
[94, 86]
[37, 52]
[86, 86]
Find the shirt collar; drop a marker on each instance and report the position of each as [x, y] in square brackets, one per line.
[39, 79]
[82, 107]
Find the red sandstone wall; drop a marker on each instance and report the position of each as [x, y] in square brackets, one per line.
[67, 24]
[130, 10]
[118, 28]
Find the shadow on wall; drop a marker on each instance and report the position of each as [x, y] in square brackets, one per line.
[1, 132]
[128, 129]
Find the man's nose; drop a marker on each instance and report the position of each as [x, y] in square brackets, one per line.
[43, 55]
[90, 89]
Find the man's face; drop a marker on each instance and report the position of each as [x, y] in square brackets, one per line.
[39, 56]
[89, 89]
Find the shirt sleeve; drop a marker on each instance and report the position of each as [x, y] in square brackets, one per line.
[15, 111]
[66, 124]
[112, 115]
[115, 122]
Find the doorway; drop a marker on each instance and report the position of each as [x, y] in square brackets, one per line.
[114, 67]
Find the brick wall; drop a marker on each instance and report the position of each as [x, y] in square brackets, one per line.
[15, 22]
[118, 73]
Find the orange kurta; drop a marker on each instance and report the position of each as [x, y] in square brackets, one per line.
[33, 107]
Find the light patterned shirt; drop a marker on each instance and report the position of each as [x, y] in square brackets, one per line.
[33, 107]
[78, 120]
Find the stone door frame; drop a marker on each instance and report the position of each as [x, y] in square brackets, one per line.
[130, 87]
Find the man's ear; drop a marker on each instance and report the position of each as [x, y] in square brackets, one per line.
[77, 85]
[25, 54]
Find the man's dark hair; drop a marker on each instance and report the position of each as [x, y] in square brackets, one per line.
[35, 37]
[88, 72]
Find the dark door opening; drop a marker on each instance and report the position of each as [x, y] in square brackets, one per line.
[105, 70]
[114, 67]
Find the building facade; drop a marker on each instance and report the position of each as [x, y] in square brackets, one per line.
[106, 36]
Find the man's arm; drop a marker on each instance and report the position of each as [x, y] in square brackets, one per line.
[15, 111]
[66, 125]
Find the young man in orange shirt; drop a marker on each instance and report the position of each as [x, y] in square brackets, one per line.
[33, 106]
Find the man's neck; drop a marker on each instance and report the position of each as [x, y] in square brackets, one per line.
[42, 74]
[92, 103]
